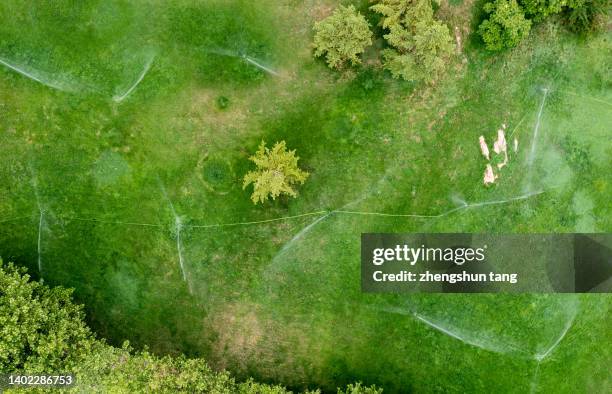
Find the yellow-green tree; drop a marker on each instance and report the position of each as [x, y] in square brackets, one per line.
[276, 174]
[342, 37]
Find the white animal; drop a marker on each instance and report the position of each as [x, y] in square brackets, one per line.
[489, 176]
[499, 146]
[483, 147]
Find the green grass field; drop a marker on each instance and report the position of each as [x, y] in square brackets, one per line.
[121, 176]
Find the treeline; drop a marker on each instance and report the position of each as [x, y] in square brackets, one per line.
[418, 46]
[43, 331]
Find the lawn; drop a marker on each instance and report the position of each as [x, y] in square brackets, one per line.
[125, 131]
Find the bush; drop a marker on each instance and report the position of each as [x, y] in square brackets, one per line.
[342, 37]
[506, 25]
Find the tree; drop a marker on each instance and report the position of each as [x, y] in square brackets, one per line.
[41, 330]
[277, 172]
[342, 37]
[506, 25]
[420, 45]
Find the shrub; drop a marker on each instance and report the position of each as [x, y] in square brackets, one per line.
[277, 172]
[342, 37]
[506, 25]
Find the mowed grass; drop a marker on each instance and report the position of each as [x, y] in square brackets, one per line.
[93, 187]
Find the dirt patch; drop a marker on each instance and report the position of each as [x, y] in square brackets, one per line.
[239, 332]
[246, 342]
[321, 11]
[457, 16]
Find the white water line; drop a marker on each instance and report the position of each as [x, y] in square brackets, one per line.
[179, 246]
[399, 215]
[15, 219]
[309, 227]
[314, 213]
[466, 206]
[34, 77]
[481, 344]
[585, 96]
[257, 221]
[115, 222]
[536, 378]
[145, 70]
[41, 222]
[39, 243]
[453, 332]
[246, 58]
[299, 235]
[517, 126]
[259, 65]
[541, 356]
[178, 226]
[439, 328]
[536, 129]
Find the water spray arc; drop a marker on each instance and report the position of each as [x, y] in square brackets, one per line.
[244, 57]
[147, 66]
[178, 227]
[39, 77]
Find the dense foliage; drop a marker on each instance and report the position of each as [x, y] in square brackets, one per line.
[419, 44]
[506, 25]
[540, 9]
[584, 16]
[43, 331]
[509, 22]
[342, 37]
[277, 172]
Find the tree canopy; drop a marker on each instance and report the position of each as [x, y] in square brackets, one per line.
[420, 45]
[342, 37]
[276, 174]
[41, 330]
[506, 25]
